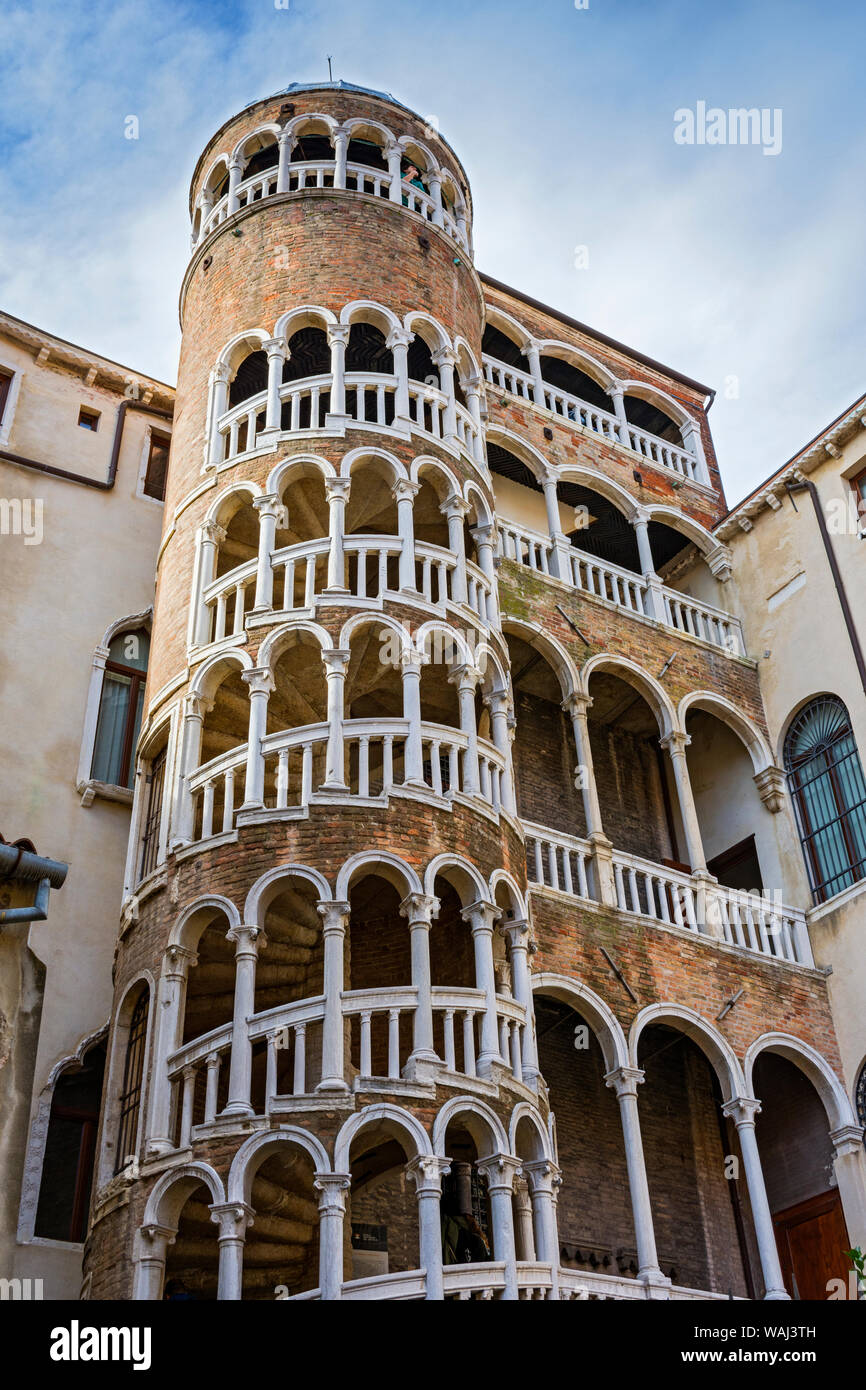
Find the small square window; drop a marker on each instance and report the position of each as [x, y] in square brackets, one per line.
[5, 387]
[157, 464]
[88, 419]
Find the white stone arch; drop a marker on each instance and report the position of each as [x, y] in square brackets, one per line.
[578, 357]
[462, 652]
[188, 926]
[366, 454]
[814, 1067]
[739, 723]
[381, 620]
[249, 1158]
[239, 153]
[525, 1111]
[391, 1118]
[213, 672]
[209, 184]
[271, 648]
[425, 464]
[491, 667]
[266, 888]
[421, 324]
[465, 879]
[511, 327]
[595, 481]
[484, 515]
[132, 620]
[244, 488]
[528, 455]
[552, 651]
[705, 541]
[482, 1122]
[169, 1193]
[660, 399]
[303, 316]
[370, 311]
[501, 877]
[411, 142]
[280, 474]
[713, 1045]
[655, 695]
[303, 125]
[241, 346]
[600, 1016]
[356, 126]
[466, 358]
[389, 866]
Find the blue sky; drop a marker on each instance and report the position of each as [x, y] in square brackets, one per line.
[740, 269]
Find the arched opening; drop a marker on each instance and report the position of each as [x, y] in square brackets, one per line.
[597, 527]
[575, 382]
[309, 356]
[543, 752]
[304, 517]
[123, 1114]
[518, 493]
[192, 1259]
[299, 700]
[70, 1148]
[372, 509]
[701, 1215]
[378, 957]
[121, 701]
[598, 1235]
[651, 418]
[431, 527]
[440, 702]
[225, 727]
[636, 791]
[382, 1208]
[738, 836]
[291, 966]
[374, 691]
[250, 378]
[367, 149]
[210, 990]
[313, 146]
[239, 519]
[467, 1224]
[797, 1161]
[420, 361]
[497, 344]
[826, 780]
[281, 1250]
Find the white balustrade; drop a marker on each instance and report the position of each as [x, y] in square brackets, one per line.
[527, 547]
[289, 1066]
[611, 582]
[379, 1013]
[559, 861]
[702, 620]
[228, 600]
[758, 922]
[217, 788]
[651, 890]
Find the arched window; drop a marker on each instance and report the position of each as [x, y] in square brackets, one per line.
[120, 704]
[826, 781]
[67, 1167]
[133, 1073]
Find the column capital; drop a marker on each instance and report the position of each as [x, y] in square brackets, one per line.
[577, 703]
[444, 357]
[464, 676]
[530, 345]
[248, 938]
[233, 1218]
[846, 1140]
[675, 743]
[154, 1233]
[455, 506]
[276, 347]
[411, 659]
[399, 337]
[333, 1187]
[338, 333]
[516, 932]
[500, 1171]
[268, 503]
[222, 372]
[427, 1172]
[405, 489]
[334, 916]
[213, 532]
[176, 961]
[486, 533]
[196, 706]
[543, 1176]
[640, 517]
[259, 679]
[337, 489]
[624, 1080]
[336, 661]
[236, 164]
[419, 909]
[742, 1110]
[481, 916]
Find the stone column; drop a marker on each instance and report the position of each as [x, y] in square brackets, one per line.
[338, 339]
[497, 703]
[446, 360]
[210, 537]
[394, 156]
[544, 1178]
[676, 744]
[419, 911]
[335, 663]
[532, 354]
[500, 1170]
[335, 918]
[524, 1236]
[411, 661]
[577, 705]
[426, 1173]
[397, 343]
[465, 678]
[849, 1165]
[168, 1026]
[194, 709]
[404, 494]
[472, 387]
[742, 1110]
[337, 493]
[654, 592]
[248, 942]
[561, 544]
[236, 170]
[436, 194]
[485, 541]
[233, 1218]
[286, 143]
[153, 1243]
[341, 149]
[692, 441]
[625, 1081]
[617, 395]
[219, 404]
[516, 933]
[481, 917]
[268, 507]
[261, 683]
[278, 354]
[332, 1211]
[454, 509]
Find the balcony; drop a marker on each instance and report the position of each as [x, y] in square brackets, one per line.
[485, 1282]
[752, 922]
[673, 458]
[631, 592]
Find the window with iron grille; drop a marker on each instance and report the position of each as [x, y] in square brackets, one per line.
[826, 781]
[133, 1072]
[152, 815]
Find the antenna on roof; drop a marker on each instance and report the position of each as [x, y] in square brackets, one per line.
[330, 74]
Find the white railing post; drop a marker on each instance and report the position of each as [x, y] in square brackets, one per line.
[248, 941]
[261, 683]
[335, 918]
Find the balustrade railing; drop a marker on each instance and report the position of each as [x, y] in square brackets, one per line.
[559, 861]
[674, 457]
[758, 922]
[651, 890]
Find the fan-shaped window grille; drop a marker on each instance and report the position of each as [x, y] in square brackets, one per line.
[829, 792]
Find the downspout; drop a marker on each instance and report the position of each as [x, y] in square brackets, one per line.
[20, 865]
[808, 486]
[99, 484]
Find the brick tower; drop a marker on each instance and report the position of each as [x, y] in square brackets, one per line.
[421, 535]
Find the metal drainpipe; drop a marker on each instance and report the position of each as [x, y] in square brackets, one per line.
[808, 486]
[101, 485]
[21, 865]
